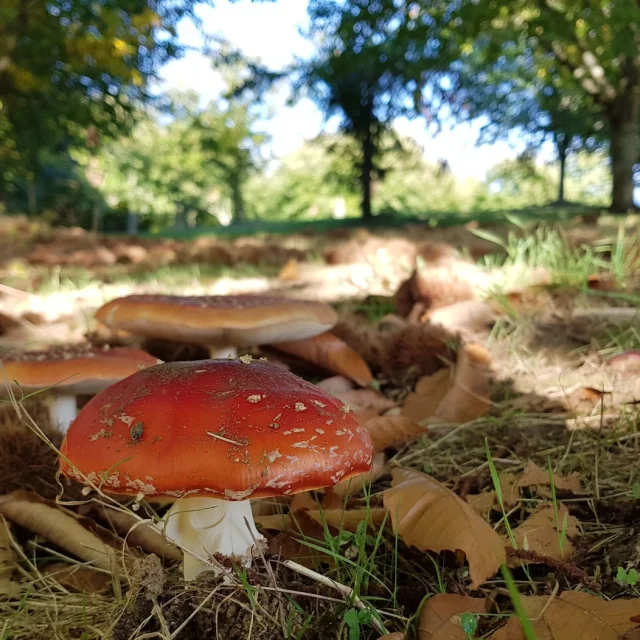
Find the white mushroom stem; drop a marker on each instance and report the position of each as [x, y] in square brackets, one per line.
[219, 353]
[63, 410]
[206, 526]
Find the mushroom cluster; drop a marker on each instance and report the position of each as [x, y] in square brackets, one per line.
[212, 435]
[207, 435]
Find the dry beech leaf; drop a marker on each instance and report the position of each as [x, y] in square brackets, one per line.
[509, 488]
[392, 431]
[469, 397]
[365, 414]
[472, 316]
[430, 517]
[335, 385]
[77, 577]
[584, 400]
[440, 616]
[331, 500]
[138, 535]
[303, 500]
[276, 522]
[359, 399]
[534, 475]
[354, 485]
[80, 536]
[349, 520]
[483, 502]
[398, 635]
[540, 531]
[269, 506]
[8, 560]
[573, 615]
[330, 353]
[429, 392]
[289, 271]
[533, 606]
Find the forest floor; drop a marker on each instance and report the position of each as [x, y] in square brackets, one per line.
[504, 498]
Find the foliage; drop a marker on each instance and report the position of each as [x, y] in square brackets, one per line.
[522, 182]
[73, 66]
[368, 71]
[183, 171]
[585, 48]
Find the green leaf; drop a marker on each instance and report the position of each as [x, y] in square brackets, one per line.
[469, 624]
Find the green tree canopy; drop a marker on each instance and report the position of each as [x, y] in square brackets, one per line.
[69, 65]
[516, 94]
[369, 70]
[590, 47]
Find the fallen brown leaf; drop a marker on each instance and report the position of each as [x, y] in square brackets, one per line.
[573, 615]
[429, 392]
[303, 500]
[430, 517]
[440, 616]
[77, 577]
[533, 606]
[469, 397]
[138, 535]
[392, 431]
[584, 400]
[354, 485]
[8, 560]
[398, 635]
[348, 520]
[335, 385]
[81, 537]
[534, 475]
[289, 271]
[540, 533]
[360, 399]
[483, 502]
[509, 488]
[468, 316]
[331, 353]
[269, 506]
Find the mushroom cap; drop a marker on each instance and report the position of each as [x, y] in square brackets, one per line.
[75, 370]
[240, 321]
[226, 429]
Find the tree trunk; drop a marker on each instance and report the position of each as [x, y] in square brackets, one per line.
[365, 175]
[623, 123]
[32, 199]
[132, 223]
[96, 216]
[237, 200]
[562, 144]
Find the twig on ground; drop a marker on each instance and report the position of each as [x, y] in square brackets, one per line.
[346, 591]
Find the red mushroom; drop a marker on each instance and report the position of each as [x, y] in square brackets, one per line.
[67, 372]
[213, 434]
[221, 323]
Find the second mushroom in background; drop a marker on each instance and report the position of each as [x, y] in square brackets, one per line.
[221, 323]
[64, 373]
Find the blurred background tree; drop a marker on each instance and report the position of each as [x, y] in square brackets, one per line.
[68, 66]
[89, 137]
[586, 49]
[368, 72]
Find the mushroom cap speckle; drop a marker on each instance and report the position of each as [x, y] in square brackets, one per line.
[241, 320]
[75, 369]
[227, 429]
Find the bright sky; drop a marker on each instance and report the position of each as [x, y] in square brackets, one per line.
[270, 31]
